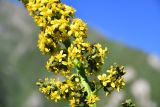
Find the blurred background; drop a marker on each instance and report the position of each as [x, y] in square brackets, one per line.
[129, 28]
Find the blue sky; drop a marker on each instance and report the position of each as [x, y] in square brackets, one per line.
[132, 22]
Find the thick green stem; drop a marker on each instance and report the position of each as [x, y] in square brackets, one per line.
[84, 81]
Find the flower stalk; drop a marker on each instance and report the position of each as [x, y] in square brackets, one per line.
[63, 38]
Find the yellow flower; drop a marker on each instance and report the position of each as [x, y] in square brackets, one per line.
[113, 84]
[102, 77]
[55, 96]
[46, 44]
[40, 21]
[120, 84]
[45, 90]
[46, 12]
[64, 88]
[60, 56]
[91, 100]
[73, 102]
[78, 28]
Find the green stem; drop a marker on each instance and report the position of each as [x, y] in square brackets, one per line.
[84, 81]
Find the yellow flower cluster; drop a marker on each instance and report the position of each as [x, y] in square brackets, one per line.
[90, 56]
[113, 80]
[59, 64]
[70, 90]
[54, 18]
[78, 29]
[62, 37]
